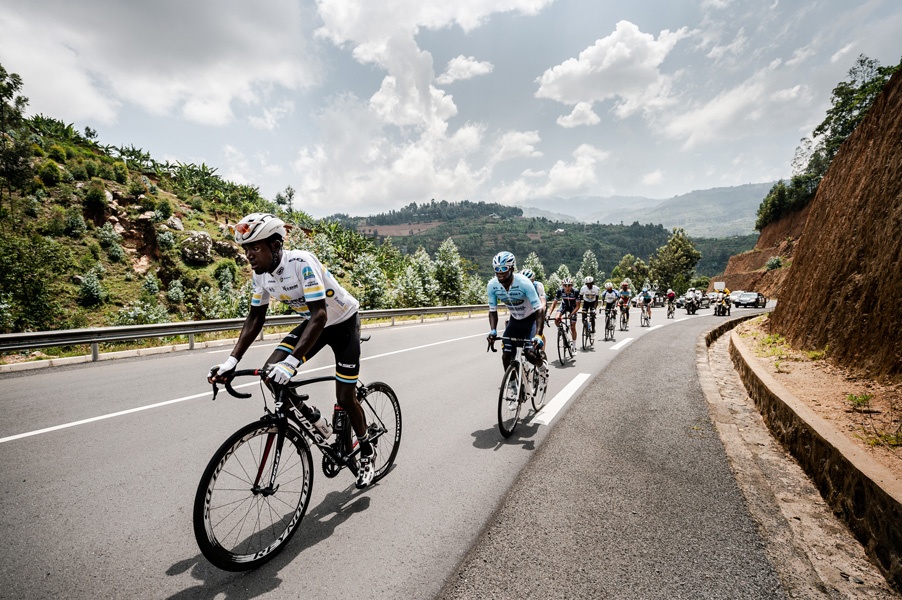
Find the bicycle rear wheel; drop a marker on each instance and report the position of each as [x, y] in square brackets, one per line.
[563, 345]
[623, 323]
[383, 414]
[509, 400]
[240, 521]
[585, 338]
[539, 389]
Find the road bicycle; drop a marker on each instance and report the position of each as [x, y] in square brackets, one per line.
[610, 316]
[523, 381]
[254, 492]
[588, 336]
[670, 309]
[624, 320]
[645, 316]
[565, 349]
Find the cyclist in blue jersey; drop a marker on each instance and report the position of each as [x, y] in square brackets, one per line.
[625, 296]
[609, 297]
[527, 318]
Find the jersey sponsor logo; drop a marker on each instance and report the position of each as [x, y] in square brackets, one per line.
[330, 292]
[291, 287]
[347, 366]
[280, 270]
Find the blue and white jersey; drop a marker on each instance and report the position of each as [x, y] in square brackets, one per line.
[301, 278]
[610, 296]
[521, 299]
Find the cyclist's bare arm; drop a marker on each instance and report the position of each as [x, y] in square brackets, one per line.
[493, 320]
[253, 324]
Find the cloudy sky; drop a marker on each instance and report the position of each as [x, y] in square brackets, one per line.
[363, 106]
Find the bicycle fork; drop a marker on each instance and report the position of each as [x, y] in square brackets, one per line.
[279, 438]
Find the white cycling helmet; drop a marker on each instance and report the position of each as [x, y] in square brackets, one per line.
[589, 280]
[504, 262]
[257, 227]
[567, 281]
[528, 274]
[608, 285]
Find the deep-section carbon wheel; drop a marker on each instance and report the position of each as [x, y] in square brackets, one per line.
[563, 343]
[509, 400]
[383, 416]
[241, 518]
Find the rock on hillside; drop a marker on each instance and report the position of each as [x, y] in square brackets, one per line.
[845, 281]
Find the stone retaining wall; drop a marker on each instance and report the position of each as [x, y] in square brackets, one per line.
[865, 495]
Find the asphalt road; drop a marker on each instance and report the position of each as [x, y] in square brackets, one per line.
[102, 508]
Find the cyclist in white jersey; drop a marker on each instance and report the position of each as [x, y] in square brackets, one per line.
[298, 279]
[589, 296]
[527, 318]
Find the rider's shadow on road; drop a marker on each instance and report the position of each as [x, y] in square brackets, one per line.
[491, 439]
[318, 524]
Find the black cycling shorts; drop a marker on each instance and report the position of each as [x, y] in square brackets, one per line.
[343, 338]
[589, 305]
[518, 328]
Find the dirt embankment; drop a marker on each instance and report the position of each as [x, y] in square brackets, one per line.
[748, 271]
[845, 281]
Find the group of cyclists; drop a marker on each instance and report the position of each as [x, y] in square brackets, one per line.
[300, 280]
[568, 303]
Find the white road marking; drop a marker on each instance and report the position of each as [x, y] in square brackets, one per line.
[201, 395]
[550, 410]
[621, 344]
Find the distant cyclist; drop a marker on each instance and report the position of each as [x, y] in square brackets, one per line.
[588, 294]
[645, 300]
[527, 319]
[625, 296]
[540, 287]
[609, 297]
[569, 301]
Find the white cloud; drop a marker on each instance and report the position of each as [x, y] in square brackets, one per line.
[582, 114]
[197, 65]
[565, 177]
[271, 116]
[463, 67]
[516, 144]
[653, 178]
[730, 51]
[842, 52]
[623, 65]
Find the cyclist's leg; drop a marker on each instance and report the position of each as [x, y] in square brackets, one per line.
[344, 339]
[287, 345]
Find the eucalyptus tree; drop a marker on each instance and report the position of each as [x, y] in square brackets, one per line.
[449, 274]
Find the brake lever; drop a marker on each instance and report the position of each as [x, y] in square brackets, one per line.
[492, 346]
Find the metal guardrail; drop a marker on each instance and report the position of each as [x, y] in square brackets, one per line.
[98, 335]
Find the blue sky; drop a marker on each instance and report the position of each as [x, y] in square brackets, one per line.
[366, 106]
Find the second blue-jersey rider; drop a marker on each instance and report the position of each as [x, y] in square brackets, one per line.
[527, 317]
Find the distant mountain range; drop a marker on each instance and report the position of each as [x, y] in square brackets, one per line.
[713, 213]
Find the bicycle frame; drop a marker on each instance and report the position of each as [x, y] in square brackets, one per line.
[305, 427]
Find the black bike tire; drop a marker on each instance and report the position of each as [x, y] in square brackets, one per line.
[507, 425]
[210, 546]
[537, 401]
[585, 336]
[561, 345]
[392, 434]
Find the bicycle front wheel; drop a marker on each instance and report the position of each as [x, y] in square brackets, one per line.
[242, 518]
[585, 335]
[509, 400]
[383, 415]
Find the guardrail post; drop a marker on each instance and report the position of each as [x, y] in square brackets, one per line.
[422, 318]
[95, 352]
[190, 341]
[393, 321]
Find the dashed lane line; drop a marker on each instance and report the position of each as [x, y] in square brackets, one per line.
[550, 410]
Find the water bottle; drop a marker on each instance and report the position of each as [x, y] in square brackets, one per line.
[319, 422]
[340, 421]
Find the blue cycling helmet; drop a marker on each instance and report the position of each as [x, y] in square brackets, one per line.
[504, 262]
[528, 274]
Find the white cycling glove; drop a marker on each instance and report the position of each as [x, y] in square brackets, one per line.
[229, 365]
[282, 372]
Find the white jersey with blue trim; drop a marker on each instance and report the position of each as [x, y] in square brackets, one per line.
[589, 294]
[300, 278]
[521, 299]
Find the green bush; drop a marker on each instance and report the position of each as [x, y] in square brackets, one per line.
[176, 292]
[151, 284]
[75, 223]
[95, 197]
[165, 239]
[106, 172]
[135, 187]
[116, 253]
[92, 167]
[57, 153]
[226, 272]
[50, 173]
[91, 292]
[120, 172]
[775, 262]
[164, 208]
[141, 312]
[79, 172]
[108, 236]
[36, 150]
[55, 223]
